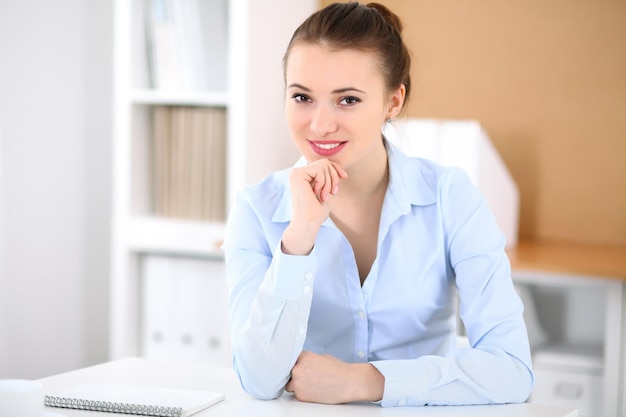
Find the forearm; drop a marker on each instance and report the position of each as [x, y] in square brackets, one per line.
[269, 323]
[267, 347]
[470, 376]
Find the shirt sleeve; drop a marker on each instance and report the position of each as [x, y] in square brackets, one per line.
[497, 366]
[269, 303]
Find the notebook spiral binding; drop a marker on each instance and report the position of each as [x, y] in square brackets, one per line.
[111, 407]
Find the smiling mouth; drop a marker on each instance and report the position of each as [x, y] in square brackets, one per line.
[327, 146]
[327, 149]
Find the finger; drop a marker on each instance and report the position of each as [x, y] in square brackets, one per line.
[337, 174]
[327, 187]
[340, 171]
[321, 181]
[318, 179]
[324, 177]
[311, 175]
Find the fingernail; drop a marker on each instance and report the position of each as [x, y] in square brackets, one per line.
[335, 189]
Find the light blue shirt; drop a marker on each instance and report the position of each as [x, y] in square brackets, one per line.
[439, 247]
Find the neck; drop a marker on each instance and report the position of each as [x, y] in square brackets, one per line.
[367, 178]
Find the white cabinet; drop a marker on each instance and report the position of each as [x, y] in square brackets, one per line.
[576, 331]
[245, 70]
[183, 311]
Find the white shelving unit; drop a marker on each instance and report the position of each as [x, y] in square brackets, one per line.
[578, 361]
[257, 141]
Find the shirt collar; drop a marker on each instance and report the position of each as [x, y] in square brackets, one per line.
[411, 180]
[410, 183]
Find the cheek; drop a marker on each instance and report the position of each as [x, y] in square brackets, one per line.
[296, 118]
[372, 120]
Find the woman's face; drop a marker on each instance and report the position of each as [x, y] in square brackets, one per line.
[336, 103]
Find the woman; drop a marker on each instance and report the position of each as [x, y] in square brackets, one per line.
[344, 271]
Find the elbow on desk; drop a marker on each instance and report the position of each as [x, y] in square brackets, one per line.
[261, 393]
[528, 380]
[522, 383]
[258, 387]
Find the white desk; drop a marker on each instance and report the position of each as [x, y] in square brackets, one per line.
[239, 404]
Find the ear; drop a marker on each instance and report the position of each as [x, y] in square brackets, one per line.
[396, 101]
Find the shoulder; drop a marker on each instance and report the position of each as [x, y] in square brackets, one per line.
[268, 195]
[425, 181]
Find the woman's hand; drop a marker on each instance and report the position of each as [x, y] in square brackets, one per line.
[326, 379]
[311, 187]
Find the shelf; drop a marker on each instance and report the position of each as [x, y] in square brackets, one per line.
[244, 56]
[180, 237]
[180, 98]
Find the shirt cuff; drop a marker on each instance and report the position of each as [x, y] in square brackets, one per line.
[406, 383]
[290, 276]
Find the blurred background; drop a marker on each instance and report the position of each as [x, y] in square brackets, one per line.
[55, 184]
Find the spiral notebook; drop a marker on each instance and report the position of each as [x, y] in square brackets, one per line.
[133, 399]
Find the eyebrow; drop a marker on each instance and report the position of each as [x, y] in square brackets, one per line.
[337, 91]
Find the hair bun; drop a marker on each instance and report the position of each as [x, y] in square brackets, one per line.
[389, 16]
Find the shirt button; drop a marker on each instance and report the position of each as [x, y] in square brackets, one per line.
[402, 401]
[302, 331]
[308, 276]
[360, 354]
[361, 314]
[306, 289]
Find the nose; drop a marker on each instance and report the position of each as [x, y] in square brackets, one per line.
[323, 121]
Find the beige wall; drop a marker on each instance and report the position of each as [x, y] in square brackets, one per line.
[547, 79]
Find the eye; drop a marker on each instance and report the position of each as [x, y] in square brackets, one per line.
[350, 100]
[301, 98]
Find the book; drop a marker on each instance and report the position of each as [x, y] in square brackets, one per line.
[188, 162]
[134, 399]
[160, 159]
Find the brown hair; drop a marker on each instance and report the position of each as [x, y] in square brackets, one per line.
[372, 27]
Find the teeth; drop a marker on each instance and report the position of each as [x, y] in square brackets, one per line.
[327, 145]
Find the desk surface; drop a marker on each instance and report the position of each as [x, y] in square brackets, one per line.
[237, 403]
[603, 261]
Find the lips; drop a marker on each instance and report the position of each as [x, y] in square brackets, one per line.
[327, 148]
